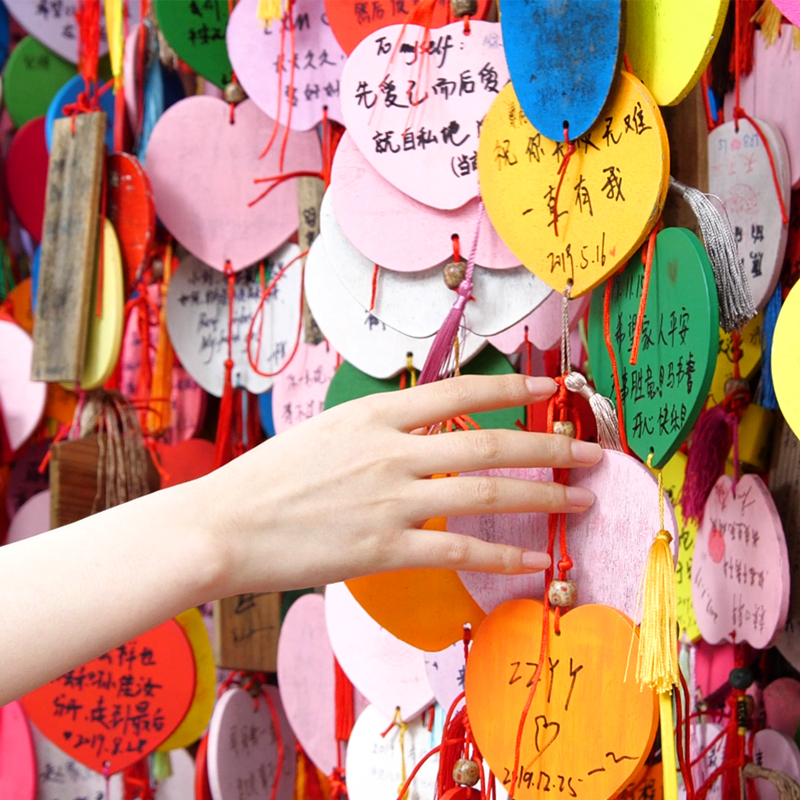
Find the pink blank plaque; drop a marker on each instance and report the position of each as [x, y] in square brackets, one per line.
[608, 544]
[243, 748]
[398, 232]
[17, 756]
[306, 676]
[31, 519]
[775, 750]
[202, 169]
[388, 672]
[255, 53]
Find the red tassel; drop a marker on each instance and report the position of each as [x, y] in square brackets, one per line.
[345, 714]
[733, 758]
[713, 438]
[454, 747]
[136, 782]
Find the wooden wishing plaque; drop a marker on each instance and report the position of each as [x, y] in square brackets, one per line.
[740, 174]
[243, 748]
[307, 678]
[612, 192]
[446, 669]
[26, 175]
[318, 70]
[118, 708]
[388, 672]
[69, 249]
[131, 210]
[31, 519]
[197, 303]
[588, 731]
[246, 629]
[298, 393]
[740, 570]
[670, 44]
[17, 754]
[69, 94]
[663, 394]
[202, 168]
[781, 700]
[786, 360]
[775, 750]
[355, 333]
[416, 303]
[398, 232]
[749, 344]
[376, 764]
[419, 124]
[617, 529]
[205, 686]
[351, 20]
[559, 78]
[196, 32]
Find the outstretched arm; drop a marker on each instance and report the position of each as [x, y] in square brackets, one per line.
[344, 494]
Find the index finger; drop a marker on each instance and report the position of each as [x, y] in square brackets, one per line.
[467, 394]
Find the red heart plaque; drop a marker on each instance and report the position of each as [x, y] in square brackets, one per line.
[119, 707]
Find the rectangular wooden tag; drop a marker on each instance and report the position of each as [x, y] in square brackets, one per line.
[309, 200]
[246, 629]
[69, 248]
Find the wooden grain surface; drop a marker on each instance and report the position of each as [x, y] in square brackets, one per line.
[69, 248]
[246, 629]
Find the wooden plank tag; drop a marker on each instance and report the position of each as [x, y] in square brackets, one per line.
[74, 475]
[309, 199]
[246, 629]
[69, 248]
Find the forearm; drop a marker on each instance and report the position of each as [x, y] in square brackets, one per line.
[74, 593]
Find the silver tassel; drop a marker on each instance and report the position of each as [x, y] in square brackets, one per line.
[604, 414]
[736, 306]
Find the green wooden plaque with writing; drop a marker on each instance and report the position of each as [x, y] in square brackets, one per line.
[195, 30]
[664, 392]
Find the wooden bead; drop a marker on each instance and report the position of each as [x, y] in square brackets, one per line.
[464, 8]
[565, 428]
[454, 273]
[234, 93]
[466, 772]
[562, 593]
[741, 678]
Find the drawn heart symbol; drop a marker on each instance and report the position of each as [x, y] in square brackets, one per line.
[202, 167]
[541, 730]
[422, 134]
[584, 679]
[116, 709]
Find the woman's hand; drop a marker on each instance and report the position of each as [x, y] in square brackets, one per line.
[346, 493]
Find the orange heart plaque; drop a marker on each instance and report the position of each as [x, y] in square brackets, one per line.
[588, 730]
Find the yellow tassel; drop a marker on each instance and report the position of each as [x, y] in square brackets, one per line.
[158, 419]
[116, 39]
[769, 18]
[669, 764]
[657, 662]
[268, 11]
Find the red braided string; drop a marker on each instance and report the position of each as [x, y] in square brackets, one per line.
[648, 255]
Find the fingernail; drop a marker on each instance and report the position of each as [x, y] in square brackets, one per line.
[579, 496]
[586, 452]
[535, 561]
[540, 387]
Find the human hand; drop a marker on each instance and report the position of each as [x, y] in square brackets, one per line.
[346, 493]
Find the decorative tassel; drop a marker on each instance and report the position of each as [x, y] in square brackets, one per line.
[712, 441]
[736, 306]
[136, 782]
[436, 363]
[770, 319]
[769, 18]
[345, 713]
[158, 419]
[744, 37]
[269, 11]
[733, 755]
[604, 414]
[161, 766]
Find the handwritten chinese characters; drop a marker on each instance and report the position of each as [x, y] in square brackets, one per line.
[739, 172]
[740, 570]
[416, 115]
[663, 393]
[295, 85]
[583, 227]
[198, 321]
[575, 743]
[119, 707]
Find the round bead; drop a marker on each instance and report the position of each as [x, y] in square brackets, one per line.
[464, 8]
[736, 385]
[466, 772]
[234, 93]
[454, 273]
[565, 428]
[741, 678]
[562, 593]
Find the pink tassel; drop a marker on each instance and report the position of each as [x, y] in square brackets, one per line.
[713, 437]
[445, 340]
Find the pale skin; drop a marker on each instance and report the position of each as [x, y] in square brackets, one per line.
[342, 495]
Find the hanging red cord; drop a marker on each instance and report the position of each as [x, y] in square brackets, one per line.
[562, 171]
[648, 256]
[613, 358]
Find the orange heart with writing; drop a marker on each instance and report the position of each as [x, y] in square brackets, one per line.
[116, 709]
[588, 730]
